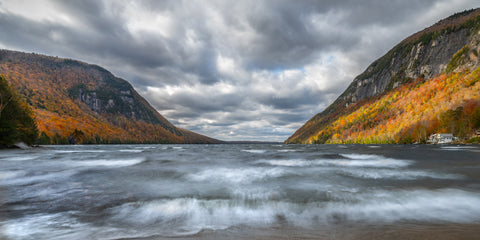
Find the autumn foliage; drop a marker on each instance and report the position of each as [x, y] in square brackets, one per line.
[410, 113]
[47, 82]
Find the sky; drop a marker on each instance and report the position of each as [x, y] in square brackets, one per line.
[228, 69]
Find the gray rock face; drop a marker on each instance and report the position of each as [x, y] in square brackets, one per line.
[408, 62]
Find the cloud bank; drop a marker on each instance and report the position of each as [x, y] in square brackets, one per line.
[233, 70]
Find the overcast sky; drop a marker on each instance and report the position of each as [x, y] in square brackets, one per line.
[232, 70]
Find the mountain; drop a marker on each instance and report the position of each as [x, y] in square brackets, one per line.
[426, 84]
[78, 102]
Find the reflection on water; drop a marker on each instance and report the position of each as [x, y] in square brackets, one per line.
[240, 192]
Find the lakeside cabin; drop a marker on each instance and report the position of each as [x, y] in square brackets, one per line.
[441, 138]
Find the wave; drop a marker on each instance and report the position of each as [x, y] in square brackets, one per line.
[131, 150]
[80, 151]
[20, 158]
[397, 174]
[22, 178]
[237, 175]
[257, 151]
[440, 206]
[458, 148]
[352, 160]
[107, 163]
[287, 150]
[444, 205]
[189, 216]
[4, 175]
[48, 226]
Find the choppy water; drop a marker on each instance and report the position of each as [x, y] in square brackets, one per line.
[240, 192]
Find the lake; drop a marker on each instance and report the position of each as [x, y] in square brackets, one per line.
[240, 192]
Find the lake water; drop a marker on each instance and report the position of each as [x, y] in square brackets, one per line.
[240, 192]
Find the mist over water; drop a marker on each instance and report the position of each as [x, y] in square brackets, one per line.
[240, 192]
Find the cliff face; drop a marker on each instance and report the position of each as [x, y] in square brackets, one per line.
[451, 45]
[68, 95]
[424, 54]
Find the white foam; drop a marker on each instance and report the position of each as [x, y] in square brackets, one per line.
[4, 175]
[131, 150]
[52, 226]
[107, 163]
[373, 161]
[257, 151]
[361, 156]
[146, 147]
[288, 162]
[396, 174]
[22, 178]
[365, 160]
[445, 205]
[195, 214]
[21, 158]
[80, 151]
[287, 150]
[457, 148]
[237, 175]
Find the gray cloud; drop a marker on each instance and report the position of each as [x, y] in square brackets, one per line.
[234, 70]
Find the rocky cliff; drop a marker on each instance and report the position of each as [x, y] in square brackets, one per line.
[85, 103]
[426, 54]
[450, 45]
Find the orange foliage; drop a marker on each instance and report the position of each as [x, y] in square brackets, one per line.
[409, 113]
[44, 82]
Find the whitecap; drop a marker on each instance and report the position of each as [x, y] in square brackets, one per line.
[21, 158]
[194, 215]
[107, 163]
[287, 150]
[360, 156]
[131, 150]
[288, 162]
[257, 151]
[457, 148]
[447, 205]
[47, 226]
[80, 151]
[10, 174]
[23, 178]
[396, 174]
[237, 175]
[366, 161]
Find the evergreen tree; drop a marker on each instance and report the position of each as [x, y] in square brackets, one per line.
[16, 119]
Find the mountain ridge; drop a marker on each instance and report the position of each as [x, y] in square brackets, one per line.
[84, 103]
[423, 55]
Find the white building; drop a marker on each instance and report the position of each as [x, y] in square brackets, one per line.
[441, 138]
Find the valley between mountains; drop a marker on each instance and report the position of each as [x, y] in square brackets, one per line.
[427, 84]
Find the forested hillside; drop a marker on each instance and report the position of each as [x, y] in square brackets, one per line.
[428, 83]
[75, 102]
